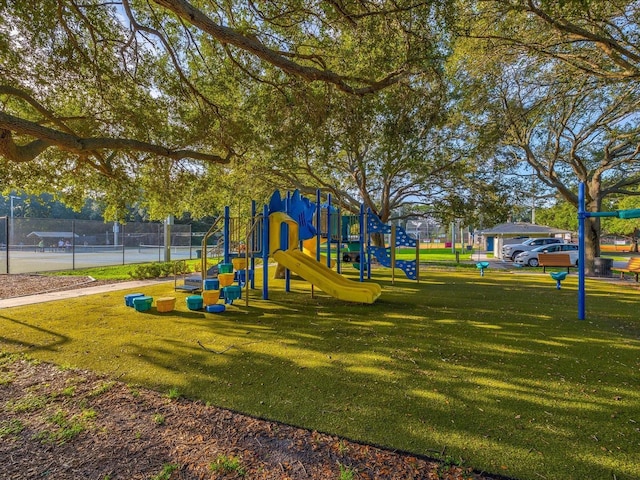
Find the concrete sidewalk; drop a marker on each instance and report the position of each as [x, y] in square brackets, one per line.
[78, 292]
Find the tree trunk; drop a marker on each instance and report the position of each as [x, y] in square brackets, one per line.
[592, 243]
[377, 239]
[592, 224]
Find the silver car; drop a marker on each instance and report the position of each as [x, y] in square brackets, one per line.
[511, 250]
[530, 258]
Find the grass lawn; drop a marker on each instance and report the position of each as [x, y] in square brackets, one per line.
[494, 372]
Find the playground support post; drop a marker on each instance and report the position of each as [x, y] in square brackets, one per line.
[338, 244]
[252, 245]
[418, 258]
[363, 238]
[328, 229]
[226, 236]
[582, 215]
[285, 235]
[265, 253]
[581, 253]
[393, 253]
[318, 224]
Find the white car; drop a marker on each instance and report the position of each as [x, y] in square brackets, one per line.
[530, 258]
[511, 250]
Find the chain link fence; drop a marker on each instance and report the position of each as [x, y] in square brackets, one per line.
[30, 245]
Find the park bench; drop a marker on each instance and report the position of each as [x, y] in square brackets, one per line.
[554, 260]
[633, 266]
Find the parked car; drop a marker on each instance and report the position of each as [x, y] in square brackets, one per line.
[530, 258]
[511, 251]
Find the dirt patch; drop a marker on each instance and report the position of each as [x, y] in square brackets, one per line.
[31, 284]
[71, 424]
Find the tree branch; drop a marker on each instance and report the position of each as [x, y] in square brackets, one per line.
[47, 137]
[188, 12]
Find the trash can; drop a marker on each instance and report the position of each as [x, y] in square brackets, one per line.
[602, 267]
[198, 253]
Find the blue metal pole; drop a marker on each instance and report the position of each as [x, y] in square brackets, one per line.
[265, 253]
[338, 242]
[329, 230]
[226, 248]
[362, 240]
[251, 244]
[318, 224]
[582, 215]
[287, 273]
[368, 243]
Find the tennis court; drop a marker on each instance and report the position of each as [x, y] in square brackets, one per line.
[30, 245]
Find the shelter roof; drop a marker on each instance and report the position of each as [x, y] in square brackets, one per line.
[512, 229]
[53, 234]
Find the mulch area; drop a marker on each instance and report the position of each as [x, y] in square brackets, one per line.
[71, 424]
[30, 284]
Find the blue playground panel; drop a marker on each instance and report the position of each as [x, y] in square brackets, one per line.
[375, 225]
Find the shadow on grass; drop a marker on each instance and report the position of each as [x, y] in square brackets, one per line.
[495, 371]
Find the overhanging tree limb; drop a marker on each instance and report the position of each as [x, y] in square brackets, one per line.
[226, 35]
[48, 137]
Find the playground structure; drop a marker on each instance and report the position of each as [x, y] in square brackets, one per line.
[582, 216]
[305, 238]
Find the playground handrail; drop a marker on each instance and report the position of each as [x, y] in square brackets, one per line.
[203, 260]
[249, 250]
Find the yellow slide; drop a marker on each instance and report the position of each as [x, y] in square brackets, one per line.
[312, 271]
[309, 247]
[326, 279]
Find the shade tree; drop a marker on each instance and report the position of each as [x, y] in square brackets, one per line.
[95, 96]
[591, 37]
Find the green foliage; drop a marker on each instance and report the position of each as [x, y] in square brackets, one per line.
[620, 226]
[159, 270]
[228, 464]
[65, 428]
[10, 427]
[28, 404]
[167, 472]
[103, 387]
[113, 272]
[89, 414]
[173, 394]
[562, 215]
[158, 419]
[6, 377]
[346, 473]
[125, 82]
[68, 391]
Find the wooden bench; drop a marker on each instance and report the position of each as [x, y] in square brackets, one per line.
[554, 260]
[633, 266]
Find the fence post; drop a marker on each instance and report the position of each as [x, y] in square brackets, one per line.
[6, 229]
[73, 244]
